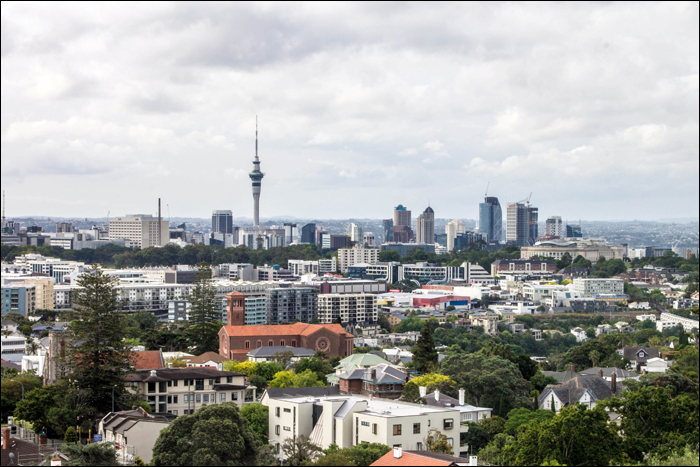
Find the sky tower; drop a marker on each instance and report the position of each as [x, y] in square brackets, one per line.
[256, 176]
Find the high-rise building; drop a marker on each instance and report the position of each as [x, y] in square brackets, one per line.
[518, 225]
[425, 226]
[256, 177]
[308, 233]
[491, 219]
[222, 222]
[289, 233]
[356, 255]
[291, 304]
[452, 229]
[403, 234]
[143, 230]
[554, 226]
[388, 230]
[402, 216]
[533, 229]
[573, 231]
[64, 227]
[355, 233]
[368, 239]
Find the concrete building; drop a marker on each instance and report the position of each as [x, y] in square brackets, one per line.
[554, 226]
[18, 299]
[369, 239]
[222, 222]
[291, 304]
[13, 347]
[350, 308]
[357, 254]
[521, 224]
[143, 230]
[573, 231]
[402, 216]
[452, 229]
[425, 227]
[591, 250]
[64, 227]
[404, 248]
[133, 432]
[355, 233]
[667, 320]
[592, 287]
[527, 267]
[43, 291]
[490, 219]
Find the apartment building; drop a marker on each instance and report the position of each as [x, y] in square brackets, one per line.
[540, 291]
[355, 255]
[591, 250]
[133, 432]
[347, 420]
[591, 287]
[300, 267]
[18, 299]
[143, 230]
[291, 304]
[56, 268]
[43, 291]
[181, 391]
[350, 308]
[669, 320]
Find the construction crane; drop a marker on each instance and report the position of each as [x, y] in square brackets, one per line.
[487, 189]
[526, 200]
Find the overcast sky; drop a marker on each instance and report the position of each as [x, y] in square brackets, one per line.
[591, 107]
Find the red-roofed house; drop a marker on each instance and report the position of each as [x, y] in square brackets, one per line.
[147, 360]
[411, 458]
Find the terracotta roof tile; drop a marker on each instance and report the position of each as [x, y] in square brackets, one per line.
[281, 329]
[409, 459]
[147, 360]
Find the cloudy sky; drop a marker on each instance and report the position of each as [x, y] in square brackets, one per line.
[591, 107]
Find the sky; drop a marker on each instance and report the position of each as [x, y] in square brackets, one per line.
[591, 107]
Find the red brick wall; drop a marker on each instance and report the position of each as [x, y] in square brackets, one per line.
[323, 339]
[350, 386]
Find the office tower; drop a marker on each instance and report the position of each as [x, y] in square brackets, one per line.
[491, 219]
[402, 216]
[368, 239]
[222, 222]
[64, 227]
[452, 229]
[292, 304]
[533, 229]
[573, 231]
[355, 233]
[554, 227]
[141, 229]
[289, 233]
[517, 227]
[425, 226]
[388, 230]
[256, 176]
[308, 233]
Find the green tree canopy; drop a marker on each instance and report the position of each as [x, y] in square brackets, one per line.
[213, 435]
[432, 382]
[425, 357]
[287, 379]
[299, 450]
[436, 442]
[257, 416]
[523, 416]
[97, 454]
[204, 315]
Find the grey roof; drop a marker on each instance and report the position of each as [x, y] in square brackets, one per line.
[444, 399]
[345, 409]
[387, 374]
[572, 390]
[8, 322]
[300, 392]
[631, 353]
[267, 352]
[120, 422]
[607, 372]
[353, 374]
[561, 376]
[172, 374]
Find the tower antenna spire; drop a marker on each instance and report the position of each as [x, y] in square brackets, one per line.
[256, 137]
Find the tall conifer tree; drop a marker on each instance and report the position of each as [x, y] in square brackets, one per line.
[204, 314]
[426, 357]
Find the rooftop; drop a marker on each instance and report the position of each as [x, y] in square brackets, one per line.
[270, 351]
[411, 458]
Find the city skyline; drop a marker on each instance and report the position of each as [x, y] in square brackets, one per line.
[596, 101]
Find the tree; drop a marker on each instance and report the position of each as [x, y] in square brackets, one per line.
[425, 357]
[366, 453]
[204, 315]
[97, 357]
[654, 423]
[247, 367]
[477, 438]
[258, 381]
[299, 450]
[268, 370]
[540, 381]
[523, 416]
[493, 452]
[487, 379]
[493, 425]
[267, 455]
[283, 358]
[387, 256]
[437, 442]
[71, 436]
[257, 416]
[12, 389]
[333, 459]
[594, 355]
[320, 367]
[215, 435]
[567, 439]
[287, 379]
[97, 454]
[431, 382]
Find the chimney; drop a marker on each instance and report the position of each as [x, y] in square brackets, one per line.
[573, 369]
[613, 383]
[644, 371]
[422, 390]
[473, 461]
[397, 453]
[170, 365]
[437, 395]
[154, 373]
[461, 397]
[5, 438]
[600, 372]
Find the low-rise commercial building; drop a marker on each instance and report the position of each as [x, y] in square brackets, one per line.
[591, 250]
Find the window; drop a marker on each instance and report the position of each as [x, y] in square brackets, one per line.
[206, 398]
[186, 398]
[187, 382]
[466, 417]
[374, 428]
[198, 398]
[162, 387]
[277, 411]
[451, 441]
[294, 343]
[234, 396]
[211, 382]
[174, 399]
[170, 383]
[151, 388]
[174, 412]
[247, 344]
[288, 410]
[419, 446]
[258, 344]
[270, 343]
[199, 385]
[397, 430]
[229, 379]
[175, 383]
[287, 428]
[365, 423]
[217, 380]
[170, 399]
[282, 343]
[277, 429]
[222, 397]
[186, 412]
[416, 428]
[448, 423]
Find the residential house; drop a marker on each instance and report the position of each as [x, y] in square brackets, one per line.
[353, 362]
[657, 365]
[398, 355]
[586, 389]
[181, 391]
[147, 360]
[638, 356]
[580, 334]
[639, 306]
[399, 457]
[133, 432]
[208, 359]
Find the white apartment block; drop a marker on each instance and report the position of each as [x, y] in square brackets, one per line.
[667, 320]
[56, 268]
[349, 420]
[351, 308]
[327, 266]
[356, 255]
[539, 291]
[646, 317]
[590, 287]
[143, 230]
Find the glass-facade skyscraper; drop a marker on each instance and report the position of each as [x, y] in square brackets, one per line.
[491, 219]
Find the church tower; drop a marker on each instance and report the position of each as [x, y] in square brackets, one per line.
[235, 309]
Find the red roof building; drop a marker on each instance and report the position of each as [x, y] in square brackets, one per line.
[397, 457]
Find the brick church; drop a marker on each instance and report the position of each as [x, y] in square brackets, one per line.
[236, 339]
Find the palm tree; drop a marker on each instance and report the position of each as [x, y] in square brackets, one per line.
[32, 347]
[594, 355]
[321, 355]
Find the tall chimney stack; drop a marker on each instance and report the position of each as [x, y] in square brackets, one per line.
[461, 396]
[600, 372]
[613, 383]
[573, 369]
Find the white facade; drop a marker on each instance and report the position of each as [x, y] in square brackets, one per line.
[580, 334]
[142, 229]
[641, 306]
[356, 255]
[646, 317]
[452, 229]
[554, 226]
[13, 347]
[688, 324]
[351, 308]
[591, 287]
[355, 233]
[657, 365]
